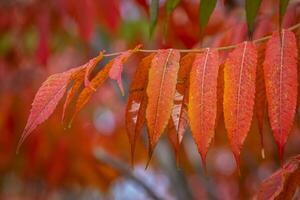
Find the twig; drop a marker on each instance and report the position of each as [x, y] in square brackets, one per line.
[102, 156]
[224, 48]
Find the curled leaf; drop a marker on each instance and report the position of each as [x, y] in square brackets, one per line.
[283, 183]
[115, 72]
[87, 92]
[81, 75]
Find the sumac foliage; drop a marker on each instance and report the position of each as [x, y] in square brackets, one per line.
[165, 88]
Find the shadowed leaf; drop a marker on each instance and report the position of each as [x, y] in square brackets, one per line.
[179, 119]
[137, 102]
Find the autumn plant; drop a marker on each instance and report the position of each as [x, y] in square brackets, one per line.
[175, 88]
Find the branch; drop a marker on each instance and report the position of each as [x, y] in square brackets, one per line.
[102, 156]
[263, 39]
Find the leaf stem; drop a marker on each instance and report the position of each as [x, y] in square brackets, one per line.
[224, 48]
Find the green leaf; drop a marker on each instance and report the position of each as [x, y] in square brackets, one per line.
[153, 15]
[206, 9]
[282, 8]
[171, 5]
[251, 7]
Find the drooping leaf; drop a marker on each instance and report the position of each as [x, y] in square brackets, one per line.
[137, 102]
[154, 6]
[87, 92]
[205, 11]
[260, 94]
[78, 78]
[239, 93]
[115, 72]
[45, 101]
[160, 91]
[203, 99]
[251, 7]
[280, 73]
[283, 183]
[179, 117]
[282, 8]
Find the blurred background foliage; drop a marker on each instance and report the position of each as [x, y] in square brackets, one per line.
[41, 37]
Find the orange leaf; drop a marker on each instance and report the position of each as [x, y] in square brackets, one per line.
[87, 92]
[239, 91]
[90, 66]
[117, 66]
[137, 102]
[179, 119]
[283, 183]
[280, 71]
[45, 101]
[81, 74]
[203, 99]
[160, 91]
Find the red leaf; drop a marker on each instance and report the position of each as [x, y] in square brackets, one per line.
[239, 91]
[117, 66]
[280, 71]
[283, 183]
[203, 99]
[160, 91]
[45, 101]
[137, 102]
[179, 117]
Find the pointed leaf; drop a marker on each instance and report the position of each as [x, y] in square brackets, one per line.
[154, 6]
[203, 98]
[179, 119]
[137, 102]
[252, 7]
[160, 91]
[239, 91]
[205, 10]
[45, 101]
[280, 71]
[115, 72]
